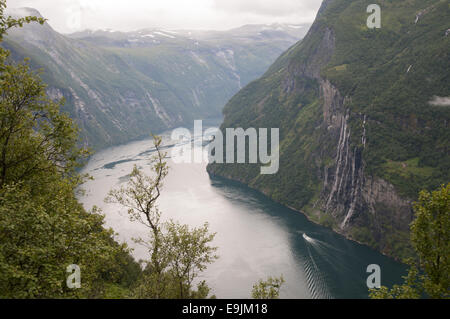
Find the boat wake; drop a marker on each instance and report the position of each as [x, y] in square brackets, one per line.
[315, 279]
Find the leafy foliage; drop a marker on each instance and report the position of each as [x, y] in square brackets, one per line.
[7, 22]
[177, 253]
[430, 236]
[43, 228]
[268, 289]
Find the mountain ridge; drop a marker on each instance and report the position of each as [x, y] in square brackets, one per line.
[358, 136]
[120, 86]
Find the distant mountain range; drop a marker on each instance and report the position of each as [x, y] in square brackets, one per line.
[120, 86]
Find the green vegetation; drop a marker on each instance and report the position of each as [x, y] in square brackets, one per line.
[383, 81]
[268, 289]
[43, 228]
[402, 67]
[408, 174]
[177, 253]
[364, 235]
[119, 86]
[430, 236]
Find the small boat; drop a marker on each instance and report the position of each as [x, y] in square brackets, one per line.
[307, 238]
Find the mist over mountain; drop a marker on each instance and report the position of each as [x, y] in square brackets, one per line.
[119, 86]
[327, 179]
[363, 114]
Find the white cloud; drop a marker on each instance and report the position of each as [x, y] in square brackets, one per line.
[440, 101]
[125, 15]
[268, 7]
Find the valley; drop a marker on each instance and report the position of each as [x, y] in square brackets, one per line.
[119, 86]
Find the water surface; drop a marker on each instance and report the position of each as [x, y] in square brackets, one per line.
[256, 236]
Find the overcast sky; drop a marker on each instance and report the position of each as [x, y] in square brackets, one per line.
[125, 15]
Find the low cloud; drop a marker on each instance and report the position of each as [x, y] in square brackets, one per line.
[272, 8]
[74, 15]
[440, 101]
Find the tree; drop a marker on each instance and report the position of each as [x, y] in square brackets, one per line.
[268, 289]
[43, 228]
[177, 253]
[8, 22]
[188, 253]
[430, 237]
[36, 139]
[41, 235]
[139, 197]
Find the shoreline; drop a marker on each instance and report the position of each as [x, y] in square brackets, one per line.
[305, 215]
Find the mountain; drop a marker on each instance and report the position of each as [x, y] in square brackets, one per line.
[364, 119]
[119, 86]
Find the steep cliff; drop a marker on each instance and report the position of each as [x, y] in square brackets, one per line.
[360, 129]
[120, 85]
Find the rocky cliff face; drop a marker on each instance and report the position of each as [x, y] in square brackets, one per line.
[354, 198]
[350, 109]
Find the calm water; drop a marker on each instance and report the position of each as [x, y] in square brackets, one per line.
[256, 237]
